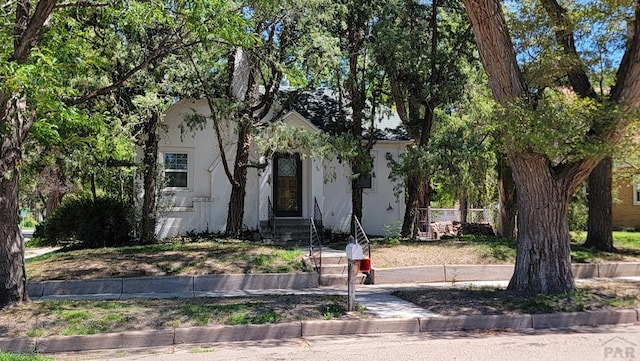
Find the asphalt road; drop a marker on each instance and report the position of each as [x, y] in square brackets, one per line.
[584, 344]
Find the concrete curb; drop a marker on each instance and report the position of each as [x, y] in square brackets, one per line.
[192, 285]
[465, 273]
[137, 286]
[476, 322]
[291, 330]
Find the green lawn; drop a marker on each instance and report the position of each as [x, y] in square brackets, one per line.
[7, 356]
[620, 239]
[87, 317]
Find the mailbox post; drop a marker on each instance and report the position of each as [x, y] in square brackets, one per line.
[354, 255]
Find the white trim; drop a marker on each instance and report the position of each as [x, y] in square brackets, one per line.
[636, 194]
[293, 116]
[190, 161]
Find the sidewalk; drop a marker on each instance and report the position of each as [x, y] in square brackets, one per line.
[389, 314]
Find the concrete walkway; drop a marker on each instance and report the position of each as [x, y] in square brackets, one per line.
[385, 305]
[389, 314]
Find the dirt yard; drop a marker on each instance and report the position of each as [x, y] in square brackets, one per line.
[220, 257]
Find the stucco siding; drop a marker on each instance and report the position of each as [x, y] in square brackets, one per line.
[202, 205]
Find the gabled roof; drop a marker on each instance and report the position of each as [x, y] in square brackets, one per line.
[321, 108]
[293, 117]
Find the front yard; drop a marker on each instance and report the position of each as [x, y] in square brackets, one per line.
[233, 257]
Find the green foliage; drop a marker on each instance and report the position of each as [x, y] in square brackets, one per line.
[231, 314]
[100, 223]
[600, 29]
[503, 249]
[576, 301]
[460, 157]
[392, 234]
[279, 137]
[578, 212]
[558, 126]
[280, 261]
[332, 310]
[8, 356]
[627, 239]
[28, 222]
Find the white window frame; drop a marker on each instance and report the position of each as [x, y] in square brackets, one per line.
[189, 153]
[636, 194]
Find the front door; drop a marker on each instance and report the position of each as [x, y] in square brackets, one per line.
[287, 185]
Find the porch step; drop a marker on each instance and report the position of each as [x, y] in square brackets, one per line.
[287, 231]
[334, 269]
[335, 259]
[340, 280]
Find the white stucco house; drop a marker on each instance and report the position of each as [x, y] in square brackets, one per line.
[196, 193]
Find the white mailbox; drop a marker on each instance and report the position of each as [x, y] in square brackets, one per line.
[354, 251]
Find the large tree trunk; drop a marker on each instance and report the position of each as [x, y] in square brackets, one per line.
[599, 223]
[543, 262]
[543, 258]
[418, 196]
[356, 200]
[150, 182]
[238, 186]
[507, 201]
[15, 123]
[13, 279]
[463, 206]
[411, 204]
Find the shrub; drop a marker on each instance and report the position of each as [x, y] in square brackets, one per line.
[578, 212]
[100, 223]
[393, 234]
[28, 222]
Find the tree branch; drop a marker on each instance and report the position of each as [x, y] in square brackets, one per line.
[216, 125]
[81, 4]
[28, 32]
[162, 50]
[564, 35]
[627, 88]
[496, 48]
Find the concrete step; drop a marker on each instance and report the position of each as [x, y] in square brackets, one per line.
[287, 236]
[287, 223]
[285, 242]
[334, 259]
[338, 269]
[339, 280]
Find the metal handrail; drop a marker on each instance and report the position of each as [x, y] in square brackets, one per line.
[271, 218]
[361, 237]
[315, 247]
[317, 215]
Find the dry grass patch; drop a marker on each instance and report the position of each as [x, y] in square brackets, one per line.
[166, 259]
[486, 301]
[232, 256]
[433, 253]
[70, 317]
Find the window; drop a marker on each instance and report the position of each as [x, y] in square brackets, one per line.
[176, 170]
[367, 181]
[636, 195]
